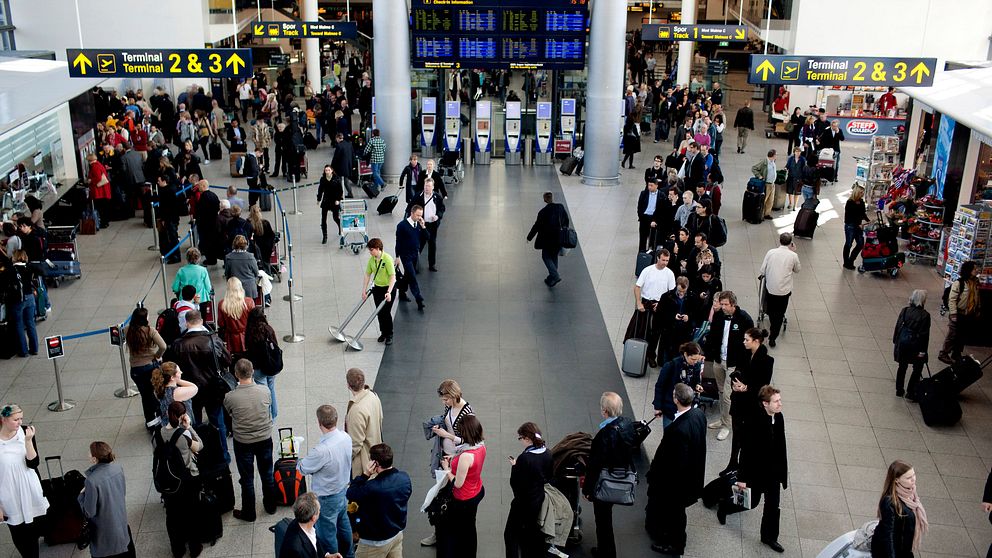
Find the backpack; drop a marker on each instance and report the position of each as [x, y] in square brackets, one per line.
[167, 325]
[270, 362]
[169, 470]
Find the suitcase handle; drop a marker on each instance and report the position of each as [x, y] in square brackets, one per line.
[48, 466]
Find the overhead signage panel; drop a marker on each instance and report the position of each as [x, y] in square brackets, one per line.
[135, 63]
[697, 33]
[842, 70]
[305, 29]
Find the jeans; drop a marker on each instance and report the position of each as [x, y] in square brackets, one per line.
[142, 378]
[665, 422]
[836, 164]
[23, 314]
[808, 192]
[333, 526]
[856, 236]
[215, 414]
[246, 455]
[377, 175]
[550, 259]
[269, 382]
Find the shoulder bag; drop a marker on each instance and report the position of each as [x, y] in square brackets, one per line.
[616, 486]
[569, 238]
[437, 510]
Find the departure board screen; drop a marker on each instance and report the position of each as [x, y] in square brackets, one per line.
[499, 33]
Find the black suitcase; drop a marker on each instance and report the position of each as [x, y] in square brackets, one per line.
[371, 190]
[279, 530]
[8, 346]
[214, 150]
[961, 374]
[568, 166]
[938, 401]
[752, 207]
[210, 525]
[805, 224]
[217, 481]
[64, 519]
[265, 202]
[644, 259]
[310, 141]
[211, 457]
[387, 204]
[719, 488]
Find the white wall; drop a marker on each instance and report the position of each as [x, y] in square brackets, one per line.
[944, 29]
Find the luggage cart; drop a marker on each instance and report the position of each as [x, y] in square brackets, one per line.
[354, 218]
[880, 254]
[62, 258]
[762, 304]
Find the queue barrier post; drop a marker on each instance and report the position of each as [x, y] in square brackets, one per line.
[293, 337]
[165, 286]
[154, 194]
[294, 297]
[338, 332]
[296, 202]
[128, 390]
[62, 404]
[285, 235]
[353, 340]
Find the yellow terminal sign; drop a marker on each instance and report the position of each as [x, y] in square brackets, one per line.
[104, 63]
[842, 70]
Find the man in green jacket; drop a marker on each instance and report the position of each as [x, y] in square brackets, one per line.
[766, 170]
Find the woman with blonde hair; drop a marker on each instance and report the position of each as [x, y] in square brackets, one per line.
[169, 386]
[233, 316]
[902, 521]
[855, 216]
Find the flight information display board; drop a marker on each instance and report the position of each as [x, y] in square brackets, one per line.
[499, 33]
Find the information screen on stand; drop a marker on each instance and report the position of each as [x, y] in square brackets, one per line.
[514, 34]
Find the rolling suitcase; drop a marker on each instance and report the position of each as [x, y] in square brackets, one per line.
[214, 151]
[752, 206]
[647, 257]
[938, 400]
[961, 374]
[279, 530]
[64, 519]
[387, 204]
[805, 224]
[237, 164]
[635, 350]
[371, 190]
[568, 166]
[719, 488]
[310, 141]
[218, 483]
[210, 526]
[290, 483]
[8, 346]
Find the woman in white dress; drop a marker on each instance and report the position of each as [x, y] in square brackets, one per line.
[21, 499]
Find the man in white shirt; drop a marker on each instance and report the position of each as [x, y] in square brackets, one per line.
[653, 282]
[433, 204]
[777, 268]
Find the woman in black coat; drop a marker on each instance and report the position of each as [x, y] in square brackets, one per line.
[753, 371]
[530, 472]
[631, 138]
[911, 339]
[329, 196]
[902, 520]
[797, 121]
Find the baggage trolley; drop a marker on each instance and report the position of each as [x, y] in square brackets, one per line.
[825, 165]
[62, 256]
[354, 218]
[364, 173]
[571, 456]
[762, 304]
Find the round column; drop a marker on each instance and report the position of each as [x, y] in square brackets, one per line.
[604, 93]
[311, 47]
[391, 62]
[684, 74]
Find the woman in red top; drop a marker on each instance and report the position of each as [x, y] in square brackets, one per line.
[99, 188]
[233, 316]
[456, 532]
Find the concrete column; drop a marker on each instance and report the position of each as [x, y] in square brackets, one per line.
[684, 75]
[915, 121]
[311, 47]
[391, 62]
[604, 93]
[970, 167]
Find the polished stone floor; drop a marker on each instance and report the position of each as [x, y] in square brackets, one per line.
[523, 352]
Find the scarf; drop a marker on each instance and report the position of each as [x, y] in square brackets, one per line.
[911, 500]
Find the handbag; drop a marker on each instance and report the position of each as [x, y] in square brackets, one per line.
[616, 486]
[569, 238]
[718, 233]
[85, 534]
[437, 510]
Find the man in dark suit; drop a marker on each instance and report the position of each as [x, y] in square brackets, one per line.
[300, 540]
[675, 480]
[649, 211]
[695, 167]
[251, 171]
[551, 219]
[410, 236]
[430, 171]
[433, 204]
[342, 161]
[764, 465]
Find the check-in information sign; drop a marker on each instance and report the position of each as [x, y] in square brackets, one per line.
[131, 63]
[305, 29]
[842, 70]
[698, 33]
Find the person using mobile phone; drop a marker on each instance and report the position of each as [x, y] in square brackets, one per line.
[22, 503]
[528, 474]
[754, 370]
[382, 493]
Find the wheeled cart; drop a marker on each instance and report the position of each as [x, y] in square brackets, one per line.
[354, 219]
[62, 258]
[762, 304]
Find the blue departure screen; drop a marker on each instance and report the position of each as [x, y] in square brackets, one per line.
[500, 34]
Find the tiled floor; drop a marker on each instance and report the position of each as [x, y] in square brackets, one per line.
[833, 363]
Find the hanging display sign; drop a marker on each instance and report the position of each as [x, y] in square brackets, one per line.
[842, 70]
[942, 156]
[305, 29]
[139, 63]
[696, 33]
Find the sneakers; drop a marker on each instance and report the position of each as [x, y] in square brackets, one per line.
[716, 424]
[429, 541]
[723, 434]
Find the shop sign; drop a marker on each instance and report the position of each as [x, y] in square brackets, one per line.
[563, 146]
[862, 128]
[140, 63]
[696, 33]
[842, 70]
[305, 29]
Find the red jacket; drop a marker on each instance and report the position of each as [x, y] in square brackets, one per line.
[97, 170]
